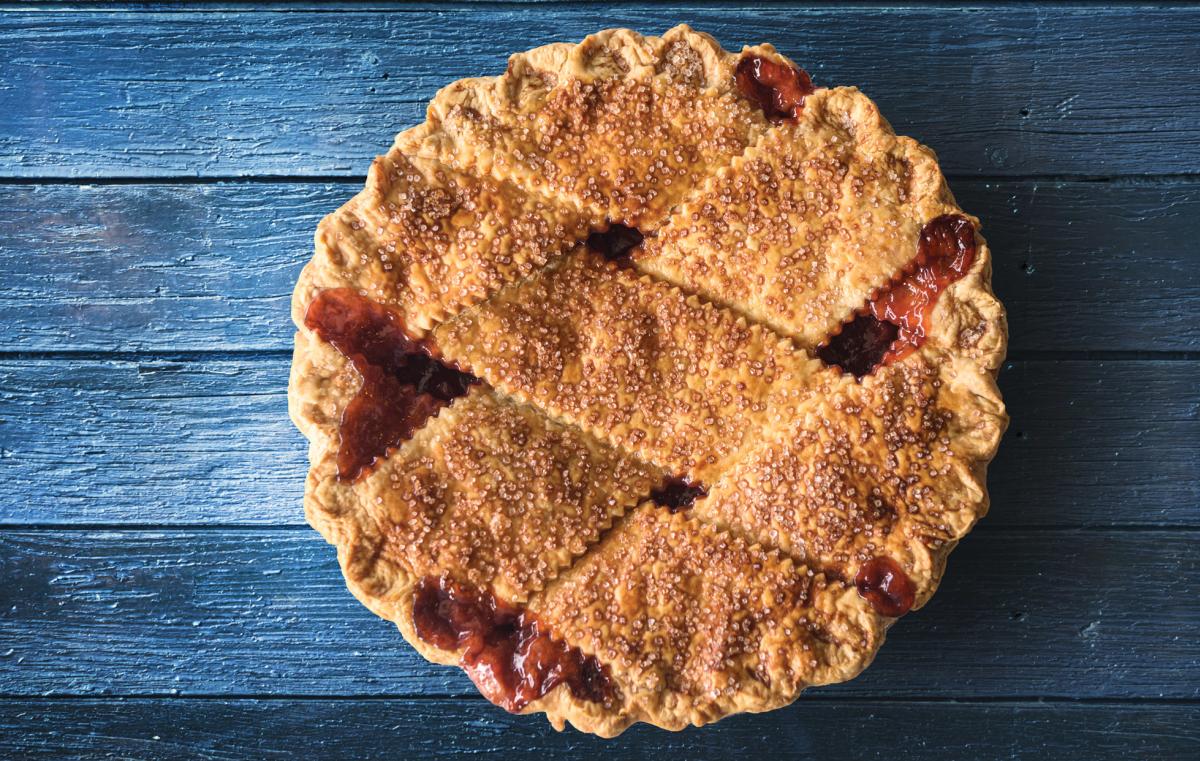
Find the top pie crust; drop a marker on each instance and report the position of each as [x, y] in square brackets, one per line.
[694, 359]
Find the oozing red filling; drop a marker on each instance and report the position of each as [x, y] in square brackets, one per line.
[506, 652]
[778, 89]
[882, 582]
[860, 345]
[895, 322]
[403, 384]
[616, 242]
[678, 494]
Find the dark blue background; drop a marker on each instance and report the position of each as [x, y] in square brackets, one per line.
[161, 174]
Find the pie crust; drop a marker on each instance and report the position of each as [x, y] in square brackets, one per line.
[820, 505]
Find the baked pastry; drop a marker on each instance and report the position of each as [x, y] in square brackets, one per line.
[647, 381]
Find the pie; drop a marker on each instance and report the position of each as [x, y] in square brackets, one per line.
[647, 381]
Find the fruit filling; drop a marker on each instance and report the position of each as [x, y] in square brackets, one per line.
[882, 582]
[860, 345]
[895, 322]
[403, 383]
[615, 243]
[677, 494]
[778, 89]
[506, 652]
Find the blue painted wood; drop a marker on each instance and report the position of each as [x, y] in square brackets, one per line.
[1030, 609]
[446, 729]
[994, 90]
[192, 441]
[1081, 266]
[1021, 614]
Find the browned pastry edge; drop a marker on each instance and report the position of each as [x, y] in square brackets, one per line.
[969, 338]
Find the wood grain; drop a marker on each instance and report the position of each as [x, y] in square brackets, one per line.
[455, 728]
[1007, 91]
[1081, 266]
[159, 441]
[151, 538]
[1021, 614]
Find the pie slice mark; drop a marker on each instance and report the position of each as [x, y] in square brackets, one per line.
[403, 383]
[895, 322]
[778, 89]
[506, 651]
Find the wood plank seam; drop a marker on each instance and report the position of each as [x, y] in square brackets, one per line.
[1018, 118]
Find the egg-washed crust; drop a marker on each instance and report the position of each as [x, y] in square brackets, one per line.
[801, 229]
[619, 124]
[888, 466]
[693, 360]
[638, 363]
[697, 624]
[491, 492]
[429, 240]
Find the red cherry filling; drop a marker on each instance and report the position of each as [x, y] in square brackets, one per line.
[506, 652]
[678, 494]
[616, 242]
[778, 89]
[403, 384]
[860, 345]
[882, 583]
[896, 321]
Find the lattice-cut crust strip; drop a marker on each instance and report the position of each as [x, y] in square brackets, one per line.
[696, 624]
[883, 467]
[604, 379]
[621, 124]
[801, 229]
[639, 363]
[428, 240]
[490, 492]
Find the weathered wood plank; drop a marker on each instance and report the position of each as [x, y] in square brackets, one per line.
[1081, 266]
[149, 442]
[457, 728]
[1021, 614]
[993, 90]
[199, 441]
[181, 267]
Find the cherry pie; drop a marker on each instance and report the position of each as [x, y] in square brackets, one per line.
[648, 382]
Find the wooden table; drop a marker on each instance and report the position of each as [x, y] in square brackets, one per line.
[161, 175]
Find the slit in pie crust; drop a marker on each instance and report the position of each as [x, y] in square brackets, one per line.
[647, 381]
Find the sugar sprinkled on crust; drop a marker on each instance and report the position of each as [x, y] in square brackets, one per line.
[693, 359]
[800, 229]
[640, 364]
[430, 240]
[620, 124]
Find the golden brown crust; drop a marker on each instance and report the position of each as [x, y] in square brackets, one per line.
[691, 360]
[882, 467]
[492, 493]
[639, 363]
[620, 124]
[489, 490]
[697, 624]
[802, 228]
[429, 240]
